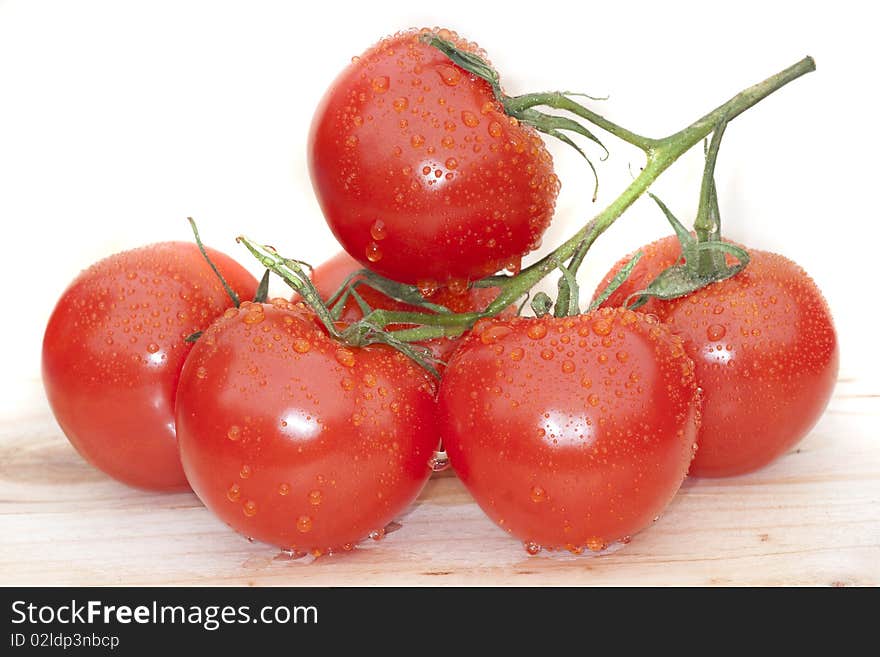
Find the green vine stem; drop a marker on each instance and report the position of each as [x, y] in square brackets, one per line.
[660, 153]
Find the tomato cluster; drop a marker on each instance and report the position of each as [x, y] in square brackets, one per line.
[166, 365]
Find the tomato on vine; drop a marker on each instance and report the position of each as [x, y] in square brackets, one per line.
[114, 347]
[297, 440]
[571, 432]
[765, 350]
[421, 174]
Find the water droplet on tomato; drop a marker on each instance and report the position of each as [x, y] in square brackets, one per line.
[716, 332]
[537, 331]
[517, 353]
[495, 129]
[373, 252]
[201, 372]
[245, 471]
[538, 494]
[351, 141]
[378, 231]
[568, 366]
[301, 345]
[400, 104]
[315, 498]
[470, 119]
[304, 524]
[254, 315]
[249, 508]
[450, 75]
[601, 327]
[345, 357]
[593, 400]
[284, 489]
[234, 493]
[532, 547]
[380, 84]
[547, 354]
[417, 141]
[494, 333]
[152, 347]
[234, 432]
[377, 534]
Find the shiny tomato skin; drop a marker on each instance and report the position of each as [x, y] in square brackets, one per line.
[765, 351]
[113, 350]
[571, 432]
[330, 275]
[420, 174]
[295, 440]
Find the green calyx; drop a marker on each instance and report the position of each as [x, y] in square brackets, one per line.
[524, 108]
[703, 255]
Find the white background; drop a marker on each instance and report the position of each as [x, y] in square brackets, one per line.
[119, 119]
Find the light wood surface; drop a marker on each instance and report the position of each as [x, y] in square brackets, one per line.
[812, 518]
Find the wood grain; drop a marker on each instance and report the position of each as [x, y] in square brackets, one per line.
[811, 518]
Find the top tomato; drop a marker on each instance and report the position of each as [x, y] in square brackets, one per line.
[420, 174]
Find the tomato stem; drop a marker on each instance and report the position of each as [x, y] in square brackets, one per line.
[661, 154]
[229, 291]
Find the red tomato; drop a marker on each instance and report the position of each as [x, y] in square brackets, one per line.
[765, 351]
[420, 174]
[296, 440]
[329, 276]
[571, 432]
[114, 347]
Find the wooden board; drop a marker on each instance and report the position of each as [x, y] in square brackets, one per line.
[812, 518]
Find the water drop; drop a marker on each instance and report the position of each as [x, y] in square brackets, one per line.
[450, 75]
[345, 357]
[537, 331]
[378, 231]
[249, 508]
[538, 494]
[301, 345]
[304, 524]
[234, 432]
[373, 252]
[716, 332]
[315, 498]
[233, 493]
[494, 333]
[380, 84]
[470, 119]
